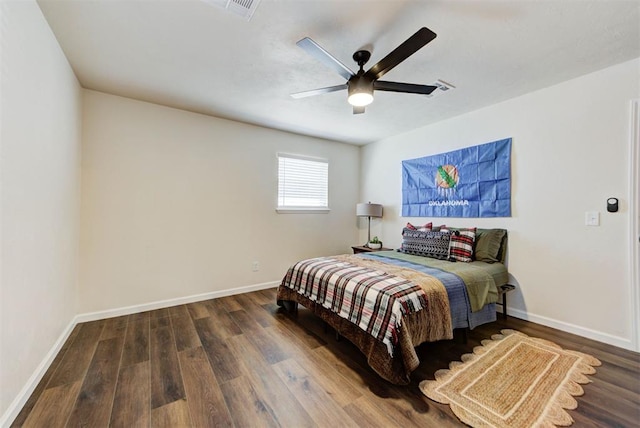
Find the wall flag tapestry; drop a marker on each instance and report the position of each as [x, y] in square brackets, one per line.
[470, 182]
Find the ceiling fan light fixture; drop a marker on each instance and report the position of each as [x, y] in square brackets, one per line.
[360, 99]
[360, 92]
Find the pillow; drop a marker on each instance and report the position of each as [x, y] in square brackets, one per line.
[427, 244]
[488, 244]
[425, 228]
[461, 245]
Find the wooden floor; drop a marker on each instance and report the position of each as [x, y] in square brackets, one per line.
[239, 361]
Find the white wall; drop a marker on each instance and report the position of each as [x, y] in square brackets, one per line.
[39, 195]
[569, 154]
[177, 204]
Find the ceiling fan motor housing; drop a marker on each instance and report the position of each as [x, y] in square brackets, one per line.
[360, 90]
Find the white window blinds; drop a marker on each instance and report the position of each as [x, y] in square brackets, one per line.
[303, 183]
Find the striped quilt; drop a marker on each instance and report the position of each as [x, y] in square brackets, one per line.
[370, 298]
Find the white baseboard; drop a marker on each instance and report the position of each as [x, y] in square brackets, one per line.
[110, 313]
[18, 403]
[16, 406]
[599, 336]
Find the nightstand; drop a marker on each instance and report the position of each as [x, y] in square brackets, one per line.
[362, 249]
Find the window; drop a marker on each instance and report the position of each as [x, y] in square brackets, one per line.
[303, 184]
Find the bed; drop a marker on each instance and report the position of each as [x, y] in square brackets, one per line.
[389, 302]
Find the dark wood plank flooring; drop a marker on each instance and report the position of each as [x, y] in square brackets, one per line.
[241, 361]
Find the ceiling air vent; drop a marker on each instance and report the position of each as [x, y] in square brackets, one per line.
[442, 87]
[244, 8]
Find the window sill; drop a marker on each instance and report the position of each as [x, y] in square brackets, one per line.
[303, 210]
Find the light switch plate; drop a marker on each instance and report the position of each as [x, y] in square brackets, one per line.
[592, 218]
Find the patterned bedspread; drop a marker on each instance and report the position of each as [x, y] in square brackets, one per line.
[462, 314]
[371, 294]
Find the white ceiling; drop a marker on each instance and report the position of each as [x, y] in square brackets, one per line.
[192, 55]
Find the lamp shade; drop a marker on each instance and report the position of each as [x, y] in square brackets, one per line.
[369, 210]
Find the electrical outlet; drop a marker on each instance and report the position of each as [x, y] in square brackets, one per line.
[255, 266]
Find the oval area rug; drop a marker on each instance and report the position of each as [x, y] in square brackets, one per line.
[513, 380]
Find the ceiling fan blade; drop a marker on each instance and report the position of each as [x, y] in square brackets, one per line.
[402, 52]
[358, 110]
[316, 51]
[403, 87]
[319, 91]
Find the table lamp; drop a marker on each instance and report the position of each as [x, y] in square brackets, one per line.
[369, 210]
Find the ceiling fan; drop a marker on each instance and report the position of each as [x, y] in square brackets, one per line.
[361, 85]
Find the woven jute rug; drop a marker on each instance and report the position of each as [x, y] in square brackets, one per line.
[513, 380]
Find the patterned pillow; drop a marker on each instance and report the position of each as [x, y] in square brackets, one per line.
[425, 228]
[427, 244]
[461, 245]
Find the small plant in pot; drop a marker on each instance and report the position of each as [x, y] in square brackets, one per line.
[375, 243]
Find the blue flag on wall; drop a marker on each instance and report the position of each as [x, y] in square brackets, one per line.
[471, 182]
